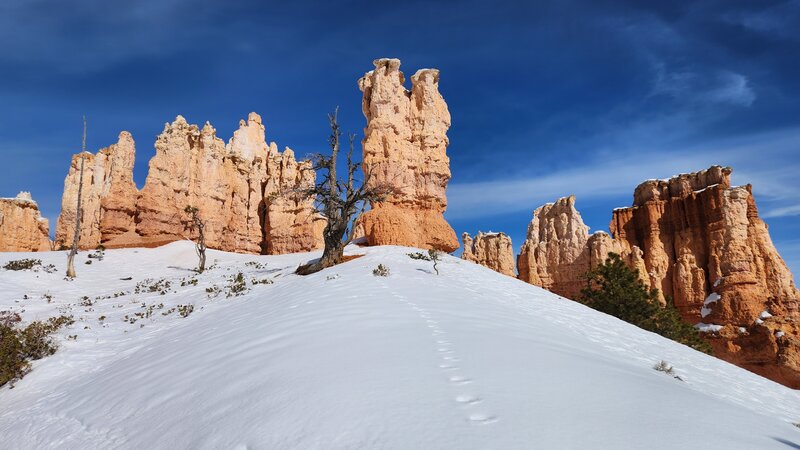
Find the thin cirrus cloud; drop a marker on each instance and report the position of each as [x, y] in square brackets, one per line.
[750, 156]
[787, 211]
[781, 20]
[719, 86]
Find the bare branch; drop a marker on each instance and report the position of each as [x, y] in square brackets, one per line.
[78, 211]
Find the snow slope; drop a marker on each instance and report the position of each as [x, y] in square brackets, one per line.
[344, 359]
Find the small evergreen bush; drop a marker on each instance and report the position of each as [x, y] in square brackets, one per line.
[418, 256]
[435, 256]
[663, 366]
[20, 346]
[23, 264]
[615, 289]
[381, 271]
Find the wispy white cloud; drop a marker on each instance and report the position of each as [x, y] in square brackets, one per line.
[786, 211]
[715, 86]
[616, 177]
[779, 20]
[732, 88]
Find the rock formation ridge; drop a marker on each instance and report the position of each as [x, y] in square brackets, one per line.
[239, 189]
[701, 243]
[22, 227]
[404, 147]
[558, 249]
[706, 248]
[493, 250]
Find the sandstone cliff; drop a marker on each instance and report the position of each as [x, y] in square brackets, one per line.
[240, 189]
[706, 248]
[558, 250]
[404, 147]
[108, 196]
[493, 250]
[701, 243]
[22, 227]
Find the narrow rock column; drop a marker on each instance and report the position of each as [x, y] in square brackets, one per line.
[404, 147]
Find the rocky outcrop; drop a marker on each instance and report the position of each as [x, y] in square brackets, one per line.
[706, 248]
[22, 228]
[558, 250]
[108, 197]
[701, 243]
[241, 190]
[493, 250]
[404, 148]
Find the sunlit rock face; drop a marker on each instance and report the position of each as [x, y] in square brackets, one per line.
[404, 147]
[108, 197]
[701, 243]
[22, 227]
[558, 250]
[705, 247]
[242, 190]
[493, 250]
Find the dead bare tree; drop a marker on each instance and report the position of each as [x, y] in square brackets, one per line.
[78, 211]
[340, 201]
[200, 244]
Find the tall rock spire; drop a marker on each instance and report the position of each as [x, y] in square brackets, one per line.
[404, 147]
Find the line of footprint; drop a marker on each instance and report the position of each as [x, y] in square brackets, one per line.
[449, 365]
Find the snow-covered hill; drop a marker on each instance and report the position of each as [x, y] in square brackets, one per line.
[345, 359]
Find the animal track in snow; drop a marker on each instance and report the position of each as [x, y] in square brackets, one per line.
[467, 399]
[482, 418]
[458, 379]
[444, 348]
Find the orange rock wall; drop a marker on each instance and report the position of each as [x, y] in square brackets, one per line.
[240, 189]
[22, 228]
[404, 147]
[493, 250]
[706, 248]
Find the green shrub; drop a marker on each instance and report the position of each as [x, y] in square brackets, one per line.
[419, 256]
[29, 264]
[23, 264]
[435, 256]
[615, 289]
[20, 346]
[381, 271]
[161, 286]
[185, 310]
[663, 366]
[236, 286]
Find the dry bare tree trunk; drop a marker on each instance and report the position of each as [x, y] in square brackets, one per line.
[200, 243]
[76, 237]
[340, 201]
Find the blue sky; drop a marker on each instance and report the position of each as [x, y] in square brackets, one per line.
[548, 99]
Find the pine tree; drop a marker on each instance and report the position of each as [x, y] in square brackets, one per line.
[615, 289]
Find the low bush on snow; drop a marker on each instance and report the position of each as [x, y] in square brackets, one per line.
[663, 366]
[29, 264]
[381, 271]
[19, 346]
